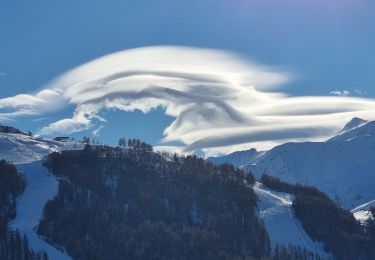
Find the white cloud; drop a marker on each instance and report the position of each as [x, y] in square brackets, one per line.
[358, 92]
[84, 118]
[219, 100]
[344, 93]
[46, 100]
[340, 93]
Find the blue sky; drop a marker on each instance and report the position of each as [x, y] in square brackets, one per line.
[326, 45]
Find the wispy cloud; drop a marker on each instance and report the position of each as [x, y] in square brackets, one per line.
[32, 104]
[344, 93]
[340, 93]
[359, 92]
[219, 101]
[40, 119]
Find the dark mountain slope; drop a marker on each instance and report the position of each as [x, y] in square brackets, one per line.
[136, 204]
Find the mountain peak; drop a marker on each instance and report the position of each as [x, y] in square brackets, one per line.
[238, 158]
[355, 122]
[10, 129]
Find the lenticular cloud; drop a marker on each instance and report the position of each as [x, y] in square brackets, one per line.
[220, 101]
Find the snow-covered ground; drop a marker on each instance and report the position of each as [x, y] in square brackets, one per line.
[342, 167]
[20, 148]
[27, 152]
[275, 209]
[41, 186]
[362, 213]
[238, 159]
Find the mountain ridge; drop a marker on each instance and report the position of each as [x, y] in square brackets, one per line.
[18, 147]
[340, 166]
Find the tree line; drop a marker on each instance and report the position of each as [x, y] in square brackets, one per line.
[146, 205]
[327, 222]
[142, 205]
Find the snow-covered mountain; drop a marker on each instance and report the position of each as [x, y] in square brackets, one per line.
[18, 147]
[11, 130]
[343, 166]
[354, 123]
[27, 152]
[238, 159]
[362, 212]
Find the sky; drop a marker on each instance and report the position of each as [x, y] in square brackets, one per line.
[208, 75]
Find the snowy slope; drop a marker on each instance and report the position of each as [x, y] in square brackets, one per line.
[353, 124]
[362, 212]
[21, 148]
[41, 186]
[27, 152]
[237, 158]
[10, 129]
[275, 209]
[343, 167]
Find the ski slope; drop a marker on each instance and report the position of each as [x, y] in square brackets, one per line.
[275, 209]
[41, 186]
[27, 152]
[20, 148]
